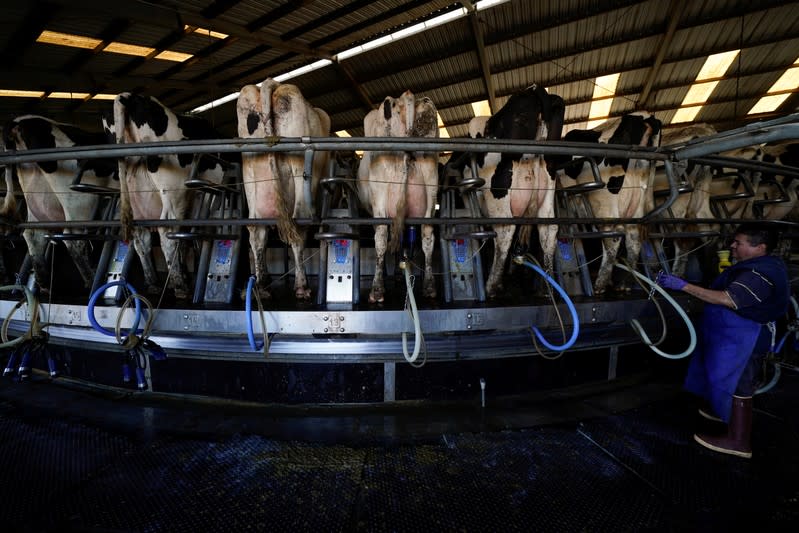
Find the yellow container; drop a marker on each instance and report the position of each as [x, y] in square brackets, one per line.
[724, 259]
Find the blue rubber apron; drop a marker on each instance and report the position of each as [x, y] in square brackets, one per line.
[727, 342]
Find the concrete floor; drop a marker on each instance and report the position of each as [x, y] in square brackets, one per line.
[613, 457]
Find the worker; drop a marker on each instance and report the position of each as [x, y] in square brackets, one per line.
[737, 330]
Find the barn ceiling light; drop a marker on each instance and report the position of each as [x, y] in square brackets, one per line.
[779, 92]
[602, 99]
[371, 45]
[90, 43]
[715, 66]
[416, 28]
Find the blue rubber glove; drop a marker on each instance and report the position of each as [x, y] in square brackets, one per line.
[667, 281]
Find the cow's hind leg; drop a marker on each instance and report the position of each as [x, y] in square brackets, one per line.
[80, 253]
[502, 244]
[377, 294]
[258, 236]
[176, 265]
[301, 290]
[610, 249]
[428, 243]
[37, 246]
[632, 242]
[143, 244]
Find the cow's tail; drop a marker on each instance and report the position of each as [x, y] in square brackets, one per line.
[125, 209]
[286, 228]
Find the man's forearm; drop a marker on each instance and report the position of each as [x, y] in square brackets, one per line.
[710, 296]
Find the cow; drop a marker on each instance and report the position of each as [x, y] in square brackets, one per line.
[153, 187]
[694, 202]
[400, 184]
[273, 181]
[626, 180]
[46, 188]
[518, 185]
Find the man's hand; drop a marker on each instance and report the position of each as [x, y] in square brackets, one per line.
[668, 281]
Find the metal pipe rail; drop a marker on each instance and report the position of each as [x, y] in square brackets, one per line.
[387, 221]
[301, 144]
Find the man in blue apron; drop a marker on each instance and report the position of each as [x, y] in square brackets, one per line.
[747, 296]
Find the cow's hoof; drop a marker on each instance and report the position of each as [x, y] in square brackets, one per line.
[430, 290]
[302, 294]
[376, 298]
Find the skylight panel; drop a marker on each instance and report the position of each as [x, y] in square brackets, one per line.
[779, 92]
[715, 66]
[90, 43]
[481, 108]
[206, 32]
[602, 99]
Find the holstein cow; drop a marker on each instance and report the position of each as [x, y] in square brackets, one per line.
[624, 195]
[518, 185]
[688, 205]
[46, 187]
[152, 187]
[273, 182]
[706, 184]
[400, 184]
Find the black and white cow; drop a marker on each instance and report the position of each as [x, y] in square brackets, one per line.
[273, 182]
[518, 185]
[400, 184]
[153, 187]
[626, 180]
[46, 187]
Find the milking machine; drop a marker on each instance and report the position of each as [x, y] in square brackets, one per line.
[220, 246]
[460, 244]
[339, 244]
[571, 265]
[137, 347]
[30, 346]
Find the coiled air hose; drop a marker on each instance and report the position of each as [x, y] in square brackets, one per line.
[33, 307]
[93, 301]
[575, 320]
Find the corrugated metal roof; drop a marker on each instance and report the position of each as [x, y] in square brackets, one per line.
[563, 45]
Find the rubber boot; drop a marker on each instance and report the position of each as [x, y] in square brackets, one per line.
[737, 440]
